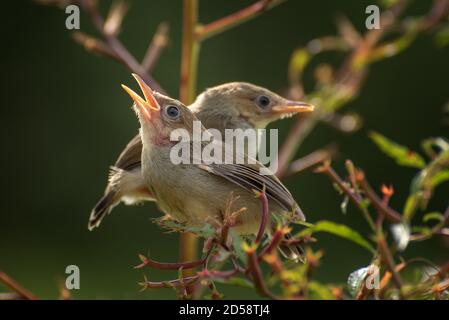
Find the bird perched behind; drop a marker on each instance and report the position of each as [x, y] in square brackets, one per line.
[185, 191]
[235, 105]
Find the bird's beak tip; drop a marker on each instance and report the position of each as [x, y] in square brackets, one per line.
[149, 103]
[294, 107]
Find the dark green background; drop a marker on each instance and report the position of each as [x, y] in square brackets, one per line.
[65, 118]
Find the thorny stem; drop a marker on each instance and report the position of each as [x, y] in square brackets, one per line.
[326, 168]
[257, 275]
[16, 287]
[169, 266]
[387, 258]
[170, 283]
[380, 205]
[274, 243]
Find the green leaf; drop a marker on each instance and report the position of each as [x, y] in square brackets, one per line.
[402, 155]
[421, 229]
[319, 291]
[442, 37]
[411, 205]
[433, 216]
[387, 3]
[303, 223]
[338, 230]
[298, 61]
[439, 178]
[237, 244]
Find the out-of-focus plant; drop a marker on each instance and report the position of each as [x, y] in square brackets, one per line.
[227, 258]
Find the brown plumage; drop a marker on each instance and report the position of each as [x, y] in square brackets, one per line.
[234, 105]
[194, 193]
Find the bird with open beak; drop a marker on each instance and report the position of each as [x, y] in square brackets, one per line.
[235, 105]
[193, 192]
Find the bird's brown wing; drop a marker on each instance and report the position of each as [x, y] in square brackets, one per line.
[130, 157]
[249, 177]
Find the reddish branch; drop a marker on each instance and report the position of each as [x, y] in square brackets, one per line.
[330, 172]
[169, 284]
[377, 203]
[309, 161]
[115, 46]
[256, 274]
[147, 262]
[157, 45]
[227, 22]
[387, 258]
[276, 240]
[16, 287]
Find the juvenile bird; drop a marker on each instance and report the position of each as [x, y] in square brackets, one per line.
[235, 105]
[196, 192]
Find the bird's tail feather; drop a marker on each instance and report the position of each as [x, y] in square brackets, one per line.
[292, 252]
[102, 208]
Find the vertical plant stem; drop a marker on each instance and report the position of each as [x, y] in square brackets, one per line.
[388, 260]
[190, 52]
[187, 92]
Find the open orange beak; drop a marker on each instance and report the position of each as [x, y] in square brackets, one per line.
[293, 107]
[147, 105]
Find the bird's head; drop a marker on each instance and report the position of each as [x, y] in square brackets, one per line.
[159, 115]
[244, 102]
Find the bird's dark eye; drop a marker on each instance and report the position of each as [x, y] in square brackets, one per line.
[172, 112]
[263, 101]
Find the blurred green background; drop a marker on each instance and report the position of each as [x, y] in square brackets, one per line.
[65, 119]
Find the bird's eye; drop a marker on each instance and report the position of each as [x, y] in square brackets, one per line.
[263, 101]
[172, 112]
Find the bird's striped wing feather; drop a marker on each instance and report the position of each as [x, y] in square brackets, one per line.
[248, 176]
